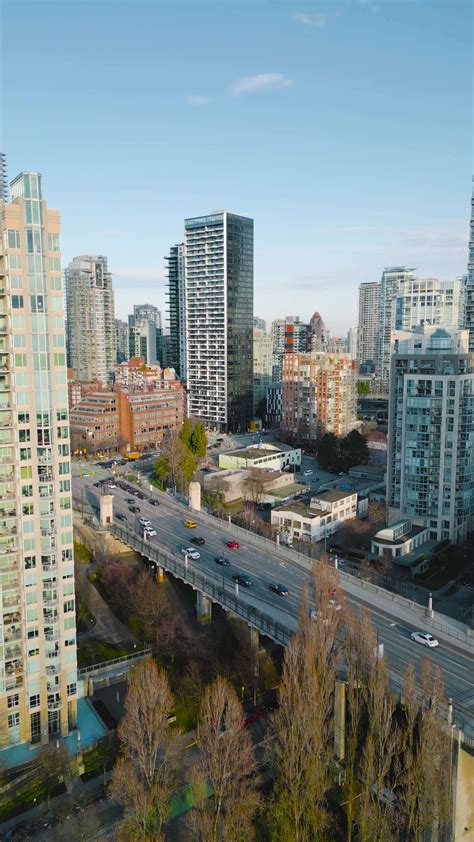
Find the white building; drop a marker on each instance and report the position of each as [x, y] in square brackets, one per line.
[368, 324]
[91, 340]
[262, 365]
[38, 659]
[219, 319]
[429, 301]
[273, 457]
[325, 514]
[430, 471]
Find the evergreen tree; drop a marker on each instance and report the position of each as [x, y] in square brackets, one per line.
[185, 432]
[198, 441]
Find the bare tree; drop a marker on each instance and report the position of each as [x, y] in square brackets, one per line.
[145, 775]
[227, 761]
[54, 766]
[426, 757]
[303, 724]
[254, 485]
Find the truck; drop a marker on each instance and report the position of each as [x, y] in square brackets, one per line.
[130, 457]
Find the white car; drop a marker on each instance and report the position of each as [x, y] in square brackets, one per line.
[150, 531]
[111, 485]
[307, 473]
[425, 639]
[144, 521]
[191, 553]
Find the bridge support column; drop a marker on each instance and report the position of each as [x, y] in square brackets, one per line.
[160, 574]
[254, 642]
[106, 509]
[195, 496]
[203, 608]
[340, 720]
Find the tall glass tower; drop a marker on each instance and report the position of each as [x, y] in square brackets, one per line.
[469, 315]
[38, 669]
[219, 319]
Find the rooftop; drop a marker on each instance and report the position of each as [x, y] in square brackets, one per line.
[376, 470]
[332, 495]
[415, 530]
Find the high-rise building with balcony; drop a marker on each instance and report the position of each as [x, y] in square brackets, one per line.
[219, 319]
[368, 323]
[392, 281]
[469, 292]
[38, 669]
[4, 189]
[318, 395]
[90, 319]
[144, 325]
[176, 310]
[429, 301]
[430, 474]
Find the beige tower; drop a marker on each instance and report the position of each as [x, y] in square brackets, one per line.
[38, 663]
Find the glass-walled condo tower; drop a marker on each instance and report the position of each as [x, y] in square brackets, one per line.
[38, 670]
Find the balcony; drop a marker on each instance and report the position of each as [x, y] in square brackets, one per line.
[53, 669]
[12, 636]
[51, 636]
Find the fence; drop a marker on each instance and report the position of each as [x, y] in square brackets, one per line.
[115, 662]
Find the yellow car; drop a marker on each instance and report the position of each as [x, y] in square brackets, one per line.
[191, 524]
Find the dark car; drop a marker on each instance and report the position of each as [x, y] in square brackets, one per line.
[198, 540]
[222, 560]
[129, 500]
[154, 502]
[281, 590]
[120, 516]
[140, 495]
[134, 509]
[242, 579]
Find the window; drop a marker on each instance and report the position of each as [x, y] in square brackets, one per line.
[13, 239]
[27, 509]
[68, 605]
[38, 303]
[35, 720]
[71, 641]
[54, 242]
[17, 302]
[71, 689]
[32, 633]
[24, 436]
[33, 652]
[25, 453]
[61, 414]
[23, 417]
[34, 700]
[13, 720]
[13, 701]
[20, 361]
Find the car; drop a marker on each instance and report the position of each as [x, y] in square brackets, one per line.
[307, 473]
[191, 524]
[134, 509]
[97, 484]
[150, 531]
[154, 502]
[112, 485]
[140, 495]
[144, 521]
[341, 473]
[129, 500]
[425, 639]
[222, 560]
[233, 545]
[198, 540]
[281, 590]
[120, 516]
[242, 579]
[191, 553]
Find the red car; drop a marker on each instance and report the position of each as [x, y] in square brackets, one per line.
[233, 545]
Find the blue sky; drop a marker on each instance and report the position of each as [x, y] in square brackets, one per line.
[343, 128]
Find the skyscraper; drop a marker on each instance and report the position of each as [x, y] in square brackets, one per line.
[38, 669]
[143, 325]
[219, 319]
[176, 311]
[428, 301]
[431, 431]
[260, 324]
[90, 318]
[391, 284]
[262, 365]
[469, 302]
[4, 191]
[122, 340]
[368, 323]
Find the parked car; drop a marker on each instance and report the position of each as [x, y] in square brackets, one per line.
[281, 590]
[242, 579]
[307, 473]
[120, 516]
[233, 545]
[425, 639]
[198, 540]
[191, 553]
[222, 560]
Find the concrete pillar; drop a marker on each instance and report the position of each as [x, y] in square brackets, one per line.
[203, 608]
[195, 496]
[160, 574]
[429, 610]
[106, 509]
[340, 720]
[254, 641]
[463, 791]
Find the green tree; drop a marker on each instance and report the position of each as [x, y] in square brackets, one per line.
[161, 469]
[198, 440]
[187, 467]
[186, 432]
[328, 451]
[355, 445]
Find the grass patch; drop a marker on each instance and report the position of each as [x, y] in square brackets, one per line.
[186, 713]
[95, 651]
[23, 798]
[85, 620]
[444, 568]
[82, 553]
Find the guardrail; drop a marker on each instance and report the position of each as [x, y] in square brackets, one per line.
[115, 662]
[214, 590]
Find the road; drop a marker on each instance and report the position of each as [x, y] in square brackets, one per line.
[265, 566]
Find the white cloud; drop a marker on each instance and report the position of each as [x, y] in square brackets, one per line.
[311, 18]
[197, 99]
[260, 82]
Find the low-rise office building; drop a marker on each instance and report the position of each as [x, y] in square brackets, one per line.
[324, 515]
[273, 457]
[405, 544]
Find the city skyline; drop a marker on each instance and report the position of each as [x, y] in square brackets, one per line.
[273, 122]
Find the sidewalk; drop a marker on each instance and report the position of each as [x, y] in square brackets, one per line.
[108, 626]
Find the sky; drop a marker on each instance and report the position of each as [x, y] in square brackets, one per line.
[343, 128]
